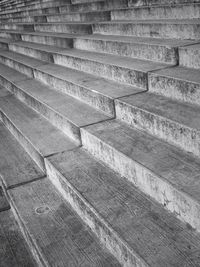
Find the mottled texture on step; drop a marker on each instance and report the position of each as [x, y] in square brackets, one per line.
[59, 40]
[20, 62]
[174, 122]
[138, 222]
[64, 28]
[19, 27]
[159, 2]
[93, 16]
[35, 134]
[153, 49]
[189, 56]
[178, 83]
[165, 173]
[35, 50]
[16, 166]
[4, 205]
[58, 234]
[158, 12]
[3, 90]
[120, 69]
[14, 251]
[178, 29]
[88, 88]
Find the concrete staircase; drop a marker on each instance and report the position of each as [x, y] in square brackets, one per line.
[100, 133]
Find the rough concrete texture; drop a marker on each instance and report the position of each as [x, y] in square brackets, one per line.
[100, 132]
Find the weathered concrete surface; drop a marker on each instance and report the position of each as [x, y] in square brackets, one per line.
[16, 166]
[175, 122]
[123, 218]
[54, 232]
[189, 56]
[178, 83]
[177, 29]
[167, 174]
[13, 248]
[38, 137]
[4, 205]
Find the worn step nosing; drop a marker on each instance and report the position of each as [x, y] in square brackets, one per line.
[118, 247]
[157, 187]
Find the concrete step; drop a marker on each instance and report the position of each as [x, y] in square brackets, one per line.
[93, 16]
[125, 220]
[93, 6]
[4, 204]
[189, 56]
[153, 49]
[172, 121]
[17, 26]
[186, 11]
[60, 109]
[151, 28]
[13, 248]
[72, 28]
[4, 43]
[54, 231]
[134, 3]
[145, 161]
[46, 38]
[120, 69]
[38, 137]
[93, 90]
[177, 83]
[16, 165]
[47, 4]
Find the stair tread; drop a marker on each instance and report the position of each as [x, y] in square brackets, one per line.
[43, 135]
[145, 226]
[135, 39]
[29, 61]
[92, 82]
[13, 248]
[4, 205]
[154, 21]
[95, 83]
[161, 158]
[59, 234]
[182, 113]
[181, 73]
[132, 63]
[16, 165]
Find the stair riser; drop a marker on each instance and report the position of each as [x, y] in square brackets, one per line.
[17, 66]
[88, 17]
[177, 202]
[25, 143]
[45, 56]
[64, 28]
[92, 98]
[13, 36]
[173, 132]
[3, 45]
[19, 27]
[189, 58]
[113, 72]
[48, 40]
[19, 20]
[141, 50]
[133, 3]
[163, 12]
[97, 224]
[181, 90]
[158, 30]
[67, 127]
